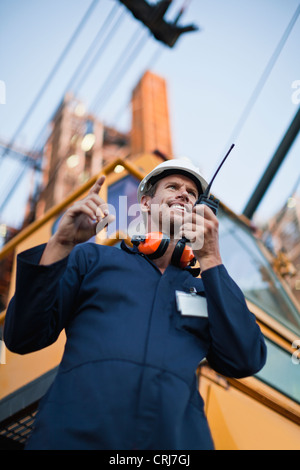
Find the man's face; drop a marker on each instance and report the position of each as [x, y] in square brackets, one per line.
[174, 199]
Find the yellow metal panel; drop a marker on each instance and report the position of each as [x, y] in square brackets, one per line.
[20, 370]
[238, 422]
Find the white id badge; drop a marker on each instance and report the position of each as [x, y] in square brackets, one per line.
[191, 304]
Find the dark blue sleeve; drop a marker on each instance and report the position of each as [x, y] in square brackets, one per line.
[43, 301]
[237, 345]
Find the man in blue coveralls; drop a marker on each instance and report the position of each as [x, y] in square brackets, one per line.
[136, 327]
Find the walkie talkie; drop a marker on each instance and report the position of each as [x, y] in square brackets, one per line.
[205, 198]
[183, 255]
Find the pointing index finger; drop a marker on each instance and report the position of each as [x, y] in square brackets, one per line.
[97, 186]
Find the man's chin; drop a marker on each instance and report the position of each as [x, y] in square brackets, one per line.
[169, 222]
[172, 226]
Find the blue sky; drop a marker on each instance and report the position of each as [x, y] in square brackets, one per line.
[211, 75]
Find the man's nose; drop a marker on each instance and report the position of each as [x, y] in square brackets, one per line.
[183, 193]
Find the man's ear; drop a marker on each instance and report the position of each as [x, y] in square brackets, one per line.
[145, 203]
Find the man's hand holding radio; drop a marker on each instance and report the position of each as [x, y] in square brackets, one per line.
[201, 228]
[80, 222]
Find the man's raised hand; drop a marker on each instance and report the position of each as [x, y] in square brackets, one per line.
[79, 223]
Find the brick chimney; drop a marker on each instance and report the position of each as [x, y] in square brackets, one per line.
[150, 116]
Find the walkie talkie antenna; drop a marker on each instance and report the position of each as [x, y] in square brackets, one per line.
[205, 198]
[206, 192]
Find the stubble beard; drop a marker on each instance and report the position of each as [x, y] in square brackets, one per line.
[167, 221]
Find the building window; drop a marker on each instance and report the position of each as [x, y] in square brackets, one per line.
[252, 272]
[122, 195]
[280, 372]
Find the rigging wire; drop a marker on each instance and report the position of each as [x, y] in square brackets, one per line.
[110, 83]
[99, 52]
[51, 75]
[102, 46]
[157, 53]
[121, 66]
[264, 77]
[117, 116]
[20, 175]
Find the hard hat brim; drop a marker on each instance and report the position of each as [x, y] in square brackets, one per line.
[168, 168]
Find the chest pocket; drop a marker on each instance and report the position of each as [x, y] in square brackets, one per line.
[191, 313]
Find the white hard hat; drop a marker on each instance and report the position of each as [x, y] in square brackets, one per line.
[169, 167]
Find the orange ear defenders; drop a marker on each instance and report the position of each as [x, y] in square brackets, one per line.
[155, 244]
[183, 255]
